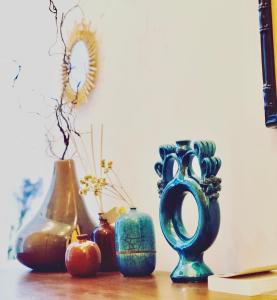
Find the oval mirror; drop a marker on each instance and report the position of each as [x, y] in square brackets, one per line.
[79, 65]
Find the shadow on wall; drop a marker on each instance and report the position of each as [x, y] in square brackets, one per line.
[28, 191]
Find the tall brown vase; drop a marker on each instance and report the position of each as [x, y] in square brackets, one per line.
[104, 237]
[41, 244]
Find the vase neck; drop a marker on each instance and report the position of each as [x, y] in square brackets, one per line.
[82, 238]
[64, 169]
[102, 220]
[63, 196]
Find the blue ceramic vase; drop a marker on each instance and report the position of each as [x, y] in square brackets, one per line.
[173, 189]
[135, 244]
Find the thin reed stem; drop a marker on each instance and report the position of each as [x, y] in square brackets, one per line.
[98, 206]
[73, 154]
[92, 150]
[86, 154]
[78, 153]
[110, 195]
[113, 186]
[121, 186]
[101, 204]
[101, 150]
[116, 194]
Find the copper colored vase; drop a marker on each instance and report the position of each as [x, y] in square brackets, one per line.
[104, 236]
[83, 257]
[41, 244]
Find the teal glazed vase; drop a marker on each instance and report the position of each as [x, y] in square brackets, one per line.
[173, 188]
[135, 244]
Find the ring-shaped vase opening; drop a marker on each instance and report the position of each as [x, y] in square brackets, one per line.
[173, 222]
[189, 215]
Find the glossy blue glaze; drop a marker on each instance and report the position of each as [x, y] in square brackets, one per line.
[204, 188]
[135, 244]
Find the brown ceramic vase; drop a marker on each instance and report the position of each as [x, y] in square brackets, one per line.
[104, 236]
[83, 258]
[41, 244]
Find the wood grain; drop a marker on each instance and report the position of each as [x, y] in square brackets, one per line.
[18, 282]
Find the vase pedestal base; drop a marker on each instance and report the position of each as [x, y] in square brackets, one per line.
[190, 271]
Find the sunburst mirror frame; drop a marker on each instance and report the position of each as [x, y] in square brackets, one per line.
[81, 32]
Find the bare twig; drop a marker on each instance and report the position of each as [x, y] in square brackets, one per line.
[17, 74]
[64, 118]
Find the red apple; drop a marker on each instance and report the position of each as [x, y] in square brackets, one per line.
[83, 258]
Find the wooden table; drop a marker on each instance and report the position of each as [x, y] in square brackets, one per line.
[18, 282]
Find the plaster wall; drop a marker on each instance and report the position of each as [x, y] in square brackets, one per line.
[168, 70]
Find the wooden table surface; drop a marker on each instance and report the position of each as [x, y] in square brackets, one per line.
[18, 282]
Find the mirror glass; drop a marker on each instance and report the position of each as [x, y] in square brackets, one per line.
[189, 215]
[79, 60]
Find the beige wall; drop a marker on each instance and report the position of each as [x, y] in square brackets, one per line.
[168, 70]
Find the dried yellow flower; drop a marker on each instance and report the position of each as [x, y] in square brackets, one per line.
[103, 163]
[93, 179]
[82, 181]
[97, 192]
[103, 182]
[82, 192]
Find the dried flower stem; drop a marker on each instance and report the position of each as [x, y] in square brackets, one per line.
[112, 195]
[102, 185]
[101, 157]
[101, 150]
[97, 202]
[78, 153]
[101, 204]
[117, 190]
[111, 189]
[73, 154]
[122, 188]
[92, 150]
[86, 153]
